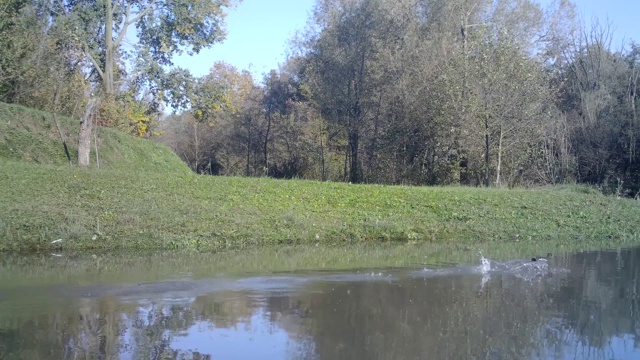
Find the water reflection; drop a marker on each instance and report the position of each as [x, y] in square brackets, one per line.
[575, 306]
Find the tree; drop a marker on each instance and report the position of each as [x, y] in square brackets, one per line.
[276, 104]
[343, 71]
[219, 133]
[470, 92]
[287, 113]
[163, 28]
[516, 101]
[599, 98]
[35, 64]
[494, 88]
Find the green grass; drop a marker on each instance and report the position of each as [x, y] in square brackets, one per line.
[143, 197]
[31, 136]
[109, 209]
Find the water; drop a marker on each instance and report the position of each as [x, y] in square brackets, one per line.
[573, 306]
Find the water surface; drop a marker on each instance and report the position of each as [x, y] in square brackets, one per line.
[574, 306]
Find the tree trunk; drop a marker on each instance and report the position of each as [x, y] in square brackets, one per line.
[55, 119]
[95, 146]
[266, 144]
[86, 125]
[499, 158]
[486, 152]
[248, 169]
[632, 136]
[346, 162]
[324, 173]
[374, 141]
[354, 170]
[196, 146]
[109, 50]
[64, 143]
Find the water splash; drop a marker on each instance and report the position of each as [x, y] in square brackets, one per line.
[524, 269]
[485, 266]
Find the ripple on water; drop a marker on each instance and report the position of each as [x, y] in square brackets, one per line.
[520, 268]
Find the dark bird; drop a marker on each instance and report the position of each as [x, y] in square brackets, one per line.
[549, 255]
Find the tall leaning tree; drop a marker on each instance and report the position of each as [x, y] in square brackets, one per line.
[163, 28]
[343, 49]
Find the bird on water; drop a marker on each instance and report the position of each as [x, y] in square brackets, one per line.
[549, 255]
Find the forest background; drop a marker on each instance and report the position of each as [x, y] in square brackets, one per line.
[414, 92]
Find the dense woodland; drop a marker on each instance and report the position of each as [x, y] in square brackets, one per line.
[418, 92]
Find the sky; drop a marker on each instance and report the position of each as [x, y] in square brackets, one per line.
[624, 16]
[258, 31]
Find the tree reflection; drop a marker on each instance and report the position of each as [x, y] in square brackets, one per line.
[431, 318]
[589, 311]
[597, 305]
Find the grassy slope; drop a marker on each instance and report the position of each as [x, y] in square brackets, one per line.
[30, 135]
[143, 197]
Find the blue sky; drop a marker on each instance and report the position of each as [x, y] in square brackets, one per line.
[623, 14]
[259, 31]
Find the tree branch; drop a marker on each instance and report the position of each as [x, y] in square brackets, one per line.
[123, 32]
[143, 13]
[64, 9]
[128, 21]
[93, 61]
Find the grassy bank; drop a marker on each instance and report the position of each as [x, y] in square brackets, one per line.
[143, 197]
[107, 209]
[31, 136]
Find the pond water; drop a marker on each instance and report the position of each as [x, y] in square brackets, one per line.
[573, 306]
